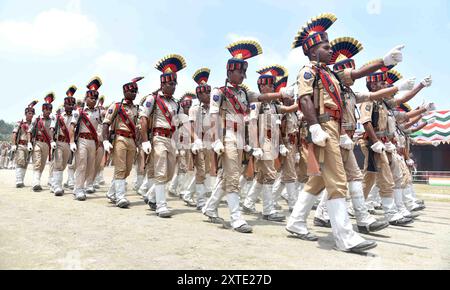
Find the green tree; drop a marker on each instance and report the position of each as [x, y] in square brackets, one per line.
[5, 131]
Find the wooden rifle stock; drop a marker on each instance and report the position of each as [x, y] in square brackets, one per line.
[371, 164]
[313, 166]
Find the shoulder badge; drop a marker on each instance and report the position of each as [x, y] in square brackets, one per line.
[216, 98]
[307, 75]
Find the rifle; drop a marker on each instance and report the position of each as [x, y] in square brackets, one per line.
[55, 135]
[33, 139]
[313, 165]
[216, 159]
[16, 140]
[371, 164]
[77, 133]
[112, 135]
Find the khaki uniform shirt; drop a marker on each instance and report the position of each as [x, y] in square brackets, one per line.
[112, 116]
[47, 125]
[94, 116]
[24, 126]
[67, 122]
[199, 115]
[305, 82]
[159, 120]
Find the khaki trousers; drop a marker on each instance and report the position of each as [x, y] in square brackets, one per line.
[165, 159]
[99, 164]
[383, 176]
[124, 153]
[22, 156]
[200, 166]
[85, 162]
[288, 168]
[333, 177]
[232, 167]
[351, 166]
[40, 155]
[302, 168]
[62, 156]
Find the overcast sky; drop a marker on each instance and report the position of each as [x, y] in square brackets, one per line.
[53, 44]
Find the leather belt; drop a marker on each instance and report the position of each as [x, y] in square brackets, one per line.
[62, 138]
[163, 132]
[41, 139]
[330, 115]
[87, 136]
[125, 134]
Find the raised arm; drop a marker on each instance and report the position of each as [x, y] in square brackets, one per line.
[418, 128]
[393, 57]
[413, 121]
[289, 109]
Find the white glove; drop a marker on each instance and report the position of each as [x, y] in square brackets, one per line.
[390, 147]
[378, 147]
[147, 147]
[108, 146]
[197, 146]
[283, 150]
[287, 92]
[319, 136]
[53, 145]
[258, 153]
[73, 147]
[13, 148]
[346, 142]
[30, 146]
[406, 85]
[247, 148]
[182, 153]
[218, 147]
[431, 121]
[177, 153]
[297, 158]
[427, 81]
[436, 143]
[394, 56]
[410, 162]
[430, 107]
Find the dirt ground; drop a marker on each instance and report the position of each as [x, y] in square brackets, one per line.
[40, 231]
